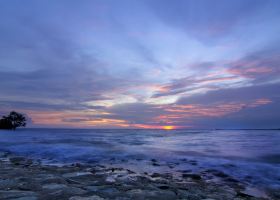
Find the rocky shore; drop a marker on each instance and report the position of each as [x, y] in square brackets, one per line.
[26, 179]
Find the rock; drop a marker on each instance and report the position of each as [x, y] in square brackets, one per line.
[78, 165]
[155, 175]
[15, 194]
[163, 187]
[8, 183]
[193, 197]
[3, 154]
[75, 174]
[18, 160]
[26, 198]
[57, 180]
[54, 186]
[94, 197]
[231, 180]
[192, 176]
[254, 192]
[110, 179]
[151, 194]
[29, 186]
[192, 162]
[110, 192]
[221, 174]
[95, 188]
[241, 194]
[74, 191]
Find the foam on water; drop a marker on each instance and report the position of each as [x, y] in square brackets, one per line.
[242, 153]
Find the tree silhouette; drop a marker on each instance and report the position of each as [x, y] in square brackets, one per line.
[12, 121]
[5, 124]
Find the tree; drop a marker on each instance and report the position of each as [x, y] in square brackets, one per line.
[13, 120]
[5, 124]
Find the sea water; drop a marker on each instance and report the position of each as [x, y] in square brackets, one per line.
[251, 156]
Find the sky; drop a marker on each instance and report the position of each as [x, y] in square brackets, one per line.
[141, 63]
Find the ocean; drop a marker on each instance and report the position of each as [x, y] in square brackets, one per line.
[251, 156]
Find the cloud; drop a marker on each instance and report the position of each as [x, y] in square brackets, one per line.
[204, 24]
[140, 64]
[261, 66]
[222, 106]
[189, 84]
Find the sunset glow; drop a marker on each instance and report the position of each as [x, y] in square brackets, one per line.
[151, 64]
[168, 127]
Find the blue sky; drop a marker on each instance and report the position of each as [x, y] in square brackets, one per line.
[141, 64]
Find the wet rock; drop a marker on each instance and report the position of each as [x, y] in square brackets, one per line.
[231, 180]
[185, 171]
[241, 194]
[20, 161]
[220, 174]
[95, 188]
[75, 174]
[54, 186]
[151, 194]
[8, 183]
[110, 179]
[26, 198]
[29, 186]
[192, 176]
[94, 197]
[4, 154]
[80, 182]
[208, 199]
[254, 192]
[78, 165]
[163, 187]
[155, 175]
[109, 192]
[229, 165]
[15, 194]
[192, 197]
[57, 180]
[74, 191]
[192, 162]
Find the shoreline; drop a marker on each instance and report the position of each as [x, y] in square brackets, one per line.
[26, 179]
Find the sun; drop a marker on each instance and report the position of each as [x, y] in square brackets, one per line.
[168, 127]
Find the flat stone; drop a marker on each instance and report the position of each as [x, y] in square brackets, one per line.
[192, 176]
[56, 180]
[15, 194]
[7, 183]
[26, 198]
[54, 186]
[94, 197]
[74, 191]
[254, 192]
[95, 188]
[20, 161]
[163, 187]
[110, 179]
[32, 186]
[75, 174]
[151, 194]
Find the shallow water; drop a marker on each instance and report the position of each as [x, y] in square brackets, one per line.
[251, 156]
